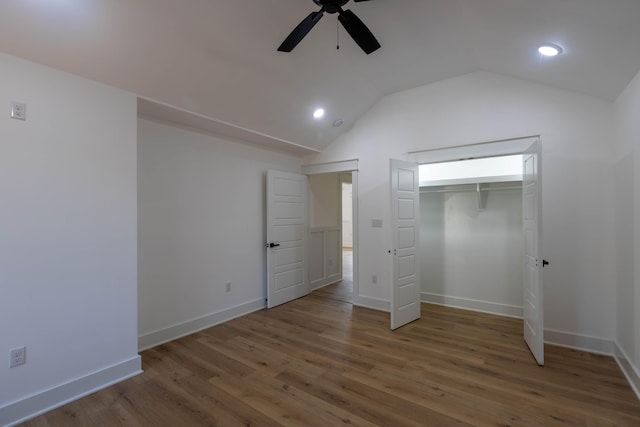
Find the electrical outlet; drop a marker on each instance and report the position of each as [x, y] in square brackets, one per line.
[18, 110]
[227, 287]
[17, 357]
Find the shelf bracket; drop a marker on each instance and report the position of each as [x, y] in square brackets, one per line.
[481, 196]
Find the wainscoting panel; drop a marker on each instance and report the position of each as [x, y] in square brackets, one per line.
[325, 251]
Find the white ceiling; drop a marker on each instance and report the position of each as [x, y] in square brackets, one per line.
[218, 58]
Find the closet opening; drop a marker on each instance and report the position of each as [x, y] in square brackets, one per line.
[472, 234]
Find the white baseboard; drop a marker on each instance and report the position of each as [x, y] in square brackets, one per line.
[24, 409]
[189, 327]
[473, 305]
[579, 342]
[372, 303]
[631, 372]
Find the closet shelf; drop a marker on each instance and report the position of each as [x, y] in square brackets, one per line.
[467, 188]
[480, 188]
[471, 180]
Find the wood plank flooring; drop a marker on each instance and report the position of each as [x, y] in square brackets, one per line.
[318, 361]
[343, 290]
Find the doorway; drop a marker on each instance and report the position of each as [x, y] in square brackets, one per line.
[345, 288]
[331, 235]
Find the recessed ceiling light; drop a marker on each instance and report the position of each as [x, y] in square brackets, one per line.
[550, 49]
[318, 114]
[338, 123]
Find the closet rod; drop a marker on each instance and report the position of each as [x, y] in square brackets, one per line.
[462, 190]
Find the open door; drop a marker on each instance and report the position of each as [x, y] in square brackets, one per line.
[286, 237]
[405, 210]
[533, 262]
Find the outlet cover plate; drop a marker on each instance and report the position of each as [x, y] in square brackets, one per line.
[18, 110]
[17, 357]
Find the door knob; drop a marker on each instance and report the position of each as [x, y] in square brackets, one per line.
[545, 262]
[272, 245]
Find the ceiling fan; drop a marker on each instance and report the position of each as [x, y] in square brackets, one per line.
[354, 26]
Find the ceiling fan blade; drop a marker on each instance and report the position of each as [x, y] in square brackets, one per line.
[358, 31]
[300, 31]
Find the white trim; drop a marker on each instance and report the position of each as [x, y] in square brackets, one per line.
[630, 371]
[465, 152]
[579, 342]
[372, 303]
[37, 404]
[189, 327]
[152, 109]
[341, 166]
[473, 305]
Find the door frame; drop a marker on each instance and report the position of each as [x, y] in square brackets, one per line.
[345, 166]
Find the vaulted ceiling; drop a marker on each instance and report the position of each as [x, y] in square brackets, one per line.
[218, 58]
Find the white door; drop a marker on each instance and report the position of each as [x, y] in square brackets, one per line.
[286, 237]
[347, 226]
[405, 210]
[533, 262]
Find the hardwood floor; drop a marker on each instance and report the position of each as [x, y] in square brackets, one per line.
[318, 361]
[343, 290]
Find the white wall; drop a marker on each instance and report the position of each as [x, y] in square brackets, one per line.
[471, 258]
[201, 224]
[68, 236]
[628, 225]
[577, 136]
[324, 200]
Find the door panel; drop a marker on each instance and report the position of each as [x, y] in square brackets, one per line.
[405, 293]
[286, 230]
[533, 285]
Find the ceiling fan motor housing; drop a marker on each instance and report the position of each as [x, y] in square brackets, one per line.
[331, 6]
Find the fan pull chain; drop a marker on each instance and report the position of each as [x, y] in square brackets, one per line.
[337, 35]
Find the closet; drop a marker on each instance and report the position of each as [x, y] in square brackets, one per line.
[471, 234]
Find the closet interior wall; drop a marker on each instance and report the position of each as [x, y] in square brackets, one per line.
[472, 247]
